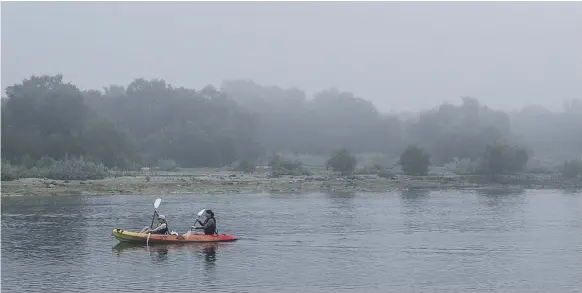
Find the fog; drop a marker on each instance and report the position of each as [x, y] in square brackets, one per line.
[401, 56]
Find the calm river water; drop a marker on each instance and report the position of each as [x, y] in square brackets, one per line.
[415, 241]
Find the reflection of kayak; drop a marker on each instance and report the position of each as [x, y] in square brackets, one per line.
[190, 246]
[127, 236]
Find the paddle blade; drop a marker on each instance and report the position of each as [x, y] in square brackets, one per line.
[201, 212]
[157, 203]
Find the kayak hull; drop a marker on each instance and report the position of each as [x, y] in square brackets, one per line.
[135, 237]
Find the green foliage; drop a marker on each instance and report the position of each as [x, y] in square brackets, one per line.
[124, 126]
[68, 169]
[415, 161]
[280, 166]
[141, 123]
[342, 161]
[45, 162]
[503, 159]
[246, 166]
[458, 131]
[318, 125]
[9, 172]
[573, 168]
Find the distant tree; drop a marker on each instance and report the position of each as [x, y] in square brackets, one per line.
[415, 161]
[573, 168]
[462, 132]
[280, 166]
[43, 116]
[502, 158]
[320, 124]
[342, 161]
[246, 166]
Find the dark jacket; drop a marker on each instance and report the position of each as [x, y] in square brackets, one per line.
[209, 226]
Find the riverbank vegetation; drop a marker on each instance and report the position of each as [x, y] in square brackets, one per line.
[52, 129]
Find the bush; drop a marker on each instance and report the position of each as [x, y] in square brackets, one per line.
[342, 161]
[9, 171]
[415, 161]
[75, 169]
[68, 169]
[573, 168]
[167, 165]
[280, 166]
[246, 167]
[45, 162]
[503, 159]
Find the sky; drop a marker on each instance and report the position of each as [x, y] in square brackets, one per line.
[402, 56]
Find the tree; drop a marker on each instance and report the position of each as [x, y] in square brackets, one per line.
[461, 132]
[500, 158]
[280, 166]
[43, 116]
[415, 161]
[330, 119]
[144, 122]
[342, 161]
[246, 166]
[573, 168]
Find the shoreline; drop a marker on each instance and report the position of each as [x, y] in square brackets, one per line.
[231, 182]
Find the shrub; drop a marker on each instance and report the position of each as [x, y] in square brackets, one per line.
[68, 169]
[246, 167]
[75, 169]
[342, 161]
[415, 161]
[9, 171]
[280, 166]
[503, 159]
[573, 168]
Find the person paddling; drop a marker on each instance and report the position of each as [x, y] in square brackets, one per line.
[161, 228]
[209, 225]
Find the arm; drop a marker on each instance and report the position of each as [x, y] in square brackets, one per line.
[201, 224]
[205, 225]
[158, 228]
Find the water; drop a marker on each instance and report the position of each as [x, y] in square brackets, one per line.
[394, 242]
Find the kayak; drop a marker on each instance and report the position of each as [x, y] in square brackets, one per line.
[135, 237]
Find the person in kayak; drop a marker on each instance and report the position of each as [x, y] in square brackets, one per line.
[209, 225]
[161, 228]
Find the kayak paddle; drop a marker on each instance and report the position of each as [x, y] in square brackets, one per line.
[156, 205]
[200, 213]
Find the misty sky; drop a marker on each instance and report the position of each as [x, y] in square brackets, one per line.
[401, 56]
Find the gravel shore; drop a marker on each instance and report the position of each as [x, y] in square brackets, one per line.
[230, 182]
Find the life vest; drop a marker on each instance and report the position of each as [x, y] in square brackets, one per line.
[164, 230]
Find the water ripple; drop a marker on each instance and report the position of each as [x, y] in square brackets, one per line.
[421, 242]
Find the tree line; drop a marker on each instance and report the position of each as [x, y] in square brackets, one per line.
[150, 121]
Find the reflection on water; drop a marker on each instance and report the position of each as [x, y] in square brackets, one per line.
[412, 241]
[160, 251]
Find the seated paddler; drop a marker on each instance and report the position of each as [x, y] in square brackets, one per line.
[161, 227]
